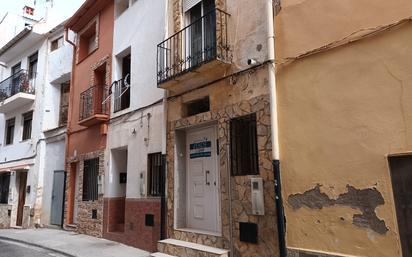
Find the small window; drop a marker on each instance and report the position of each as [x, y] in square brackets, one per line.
[27, 124]
[87, 41]
[155, 171]
[197, 106]
[4, 187]
[56, 44]
[243, 146]
[90, 176]
[10, 131]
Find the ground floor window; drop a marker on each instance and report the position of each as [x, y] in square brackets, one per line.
[90, 177]
[154, 175]
[4, 187]
[243, 145]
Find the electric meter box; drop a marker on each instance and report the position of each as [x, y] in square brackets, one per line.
[258, 205]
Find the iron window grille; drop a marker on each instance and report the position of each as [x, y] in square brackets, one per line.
[10, 124]
[27, 125]
[155, 174]
[202, 41]
[90, 177]
[243, 146]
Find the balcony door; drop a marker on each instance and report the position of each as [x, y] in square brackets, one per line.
[202, 32]
[32, 72]
[15, 79]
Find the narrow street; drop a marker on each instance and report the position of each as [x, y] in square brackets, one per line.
[14, 249]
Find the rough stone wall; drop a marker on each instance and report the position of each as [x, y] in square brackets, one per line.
[177, 12]
[85, 223]
[4, 216]
[246, 100]
[28, 221]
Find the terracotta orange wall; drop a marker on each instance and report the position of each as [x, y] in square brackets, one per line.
[83, 139]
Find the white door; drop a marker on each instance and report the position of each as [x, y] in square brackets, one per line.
[202, 180]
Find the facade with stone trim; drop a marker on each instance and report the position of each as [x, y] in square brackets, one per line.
[90, 31]
[199, 141]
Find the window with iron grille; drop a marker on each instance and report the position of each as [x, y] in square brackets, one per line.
[10, 124]
[155, 171]
[4, 187]
[243, 146]
[90, 176]
[27, 124]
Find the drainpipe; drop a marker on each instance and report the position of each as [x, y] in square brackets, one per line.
[69, 117]
[274, 130]
[163, 206]
[66, 37]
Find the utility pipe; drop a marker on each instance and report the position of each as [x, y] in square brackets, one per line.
[274, 129]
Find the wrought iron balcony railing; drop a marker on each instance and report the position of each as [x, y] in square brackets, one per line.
[202, 41]
[19, 82]
[92, 102]
[121, 93]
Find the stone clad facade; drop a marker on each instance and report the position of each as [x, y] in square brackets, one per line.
[90, 31]
[4, 215]
[229, 99]
[87, 224]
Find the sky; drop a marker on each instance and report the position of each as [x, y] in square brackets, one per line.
[16, 6]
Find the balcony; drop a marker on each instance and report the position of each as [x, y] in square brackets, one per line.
[16, 91]
[196, 55]
[121, 94]
[94, 107]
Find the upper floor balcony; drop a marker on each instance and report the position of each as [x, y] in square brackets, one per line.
[196, 55]
[17, 90]
[94, 106]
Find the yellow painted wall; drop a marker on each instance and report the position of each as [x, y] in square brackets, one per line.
[304, 25]
[341, 113]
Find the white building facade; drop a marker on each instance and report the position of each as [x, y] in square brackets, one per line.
[132, 204]
[33, 91]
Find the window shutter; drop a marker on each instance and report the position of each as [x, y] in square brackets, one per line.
[188, 4]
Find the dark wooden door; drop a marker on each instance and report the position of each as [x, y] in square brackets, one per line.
[401, 173]
[22, 197]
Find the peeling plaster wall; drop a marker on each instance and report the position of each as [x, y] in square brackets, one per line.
[341, 113]
[303, 25]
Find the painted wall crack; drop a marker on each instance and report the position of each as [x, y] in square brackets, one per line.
[366, 200]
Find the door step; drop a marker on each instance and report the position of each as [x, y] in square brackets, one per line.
[187, 249]
[70, 227]
[161, 255]
[16, 227]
